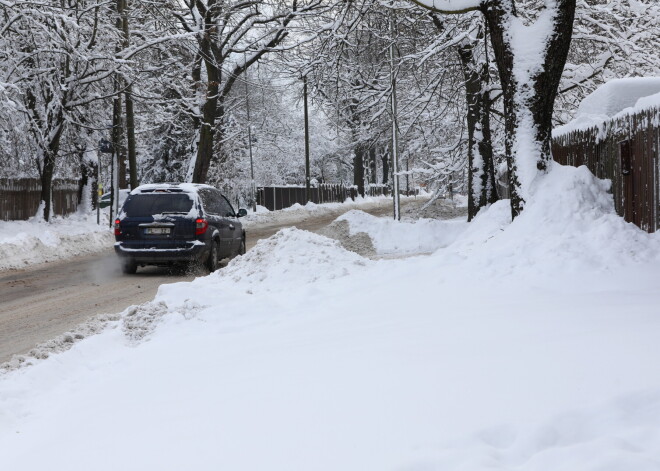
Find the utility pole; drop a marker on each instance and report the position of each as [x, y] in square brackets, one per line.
[395, 137]
[307, 172]
[253, 189]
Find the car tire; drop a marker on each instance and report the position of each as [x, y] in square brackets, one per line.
[241, 248]
[128, 266]
[212, 262]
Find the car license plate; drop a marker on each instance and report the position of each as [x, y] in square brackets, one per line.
[157, 230]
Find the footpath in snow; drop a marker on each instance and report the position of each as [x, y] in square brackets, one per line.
[529, 345]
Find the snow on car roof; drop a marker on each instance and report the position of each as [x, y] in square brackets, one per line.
[174, 187]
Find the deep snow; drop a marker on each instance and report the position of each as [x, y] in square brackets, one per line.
[529, 345]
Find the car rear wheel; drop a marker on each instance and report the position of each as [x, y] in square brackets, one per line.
[128, 266]
[212, 262]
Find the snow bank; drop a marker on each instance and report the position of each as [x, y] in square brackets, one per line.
[570, 224]
[30, 242]
[404, 238]
[527, 345]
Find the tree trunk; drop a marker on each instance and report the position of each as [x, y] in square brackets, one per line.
[117, 122]
[481, 170]
[130, 115]
[118, 137]
[373, 167]
[211, 110]
[50, 155]
[385, 159]
[84, 177]
[130, 136]
[358, 167]
[486, 147]
[529, 95]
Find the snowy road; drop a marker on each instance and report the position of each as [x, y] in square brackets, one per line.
[44, 301]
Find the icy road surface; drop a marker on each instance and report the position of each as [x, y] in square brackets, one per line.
[44, 301]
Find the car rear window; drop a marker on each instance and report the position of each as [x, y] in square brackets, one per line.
[157, 203]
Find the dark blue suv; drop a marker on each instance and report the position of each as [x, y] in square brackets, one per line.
[166, 224]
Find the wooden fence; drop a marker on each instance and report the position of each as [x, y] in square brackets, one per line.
[624, 150]
[20, 197]
[280, 197]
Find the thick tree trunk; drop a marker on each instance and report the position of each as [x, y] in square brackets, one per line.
[210, 113]
[385, 159]
[529, 95]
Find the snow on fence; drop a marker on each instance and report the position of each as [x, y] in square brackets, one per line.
[624, 150]
[20, 197]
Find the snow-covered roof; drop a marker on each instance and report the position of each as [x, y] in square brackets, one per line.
[612, 100]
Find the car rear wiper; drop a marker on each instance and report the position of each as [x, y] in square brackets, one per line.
[175, 212]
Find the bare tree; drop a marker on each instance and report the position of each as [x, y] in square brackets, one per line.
[231, 37]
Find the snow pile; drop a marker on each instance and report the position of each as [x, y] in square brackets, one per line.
[403, 238]
[292, 253]
[527, 345]
[569, 225]
[30, 242]
[612, 100]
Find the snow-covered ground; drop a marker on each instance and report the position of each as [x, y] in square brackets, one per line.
[35, 241]
[530, 345]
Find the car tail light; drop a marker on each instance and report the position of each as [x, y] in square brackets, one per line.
[200, 226]
[117, 227]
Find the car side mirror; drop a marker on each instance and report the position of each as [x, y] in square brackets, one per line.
[241, 212]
